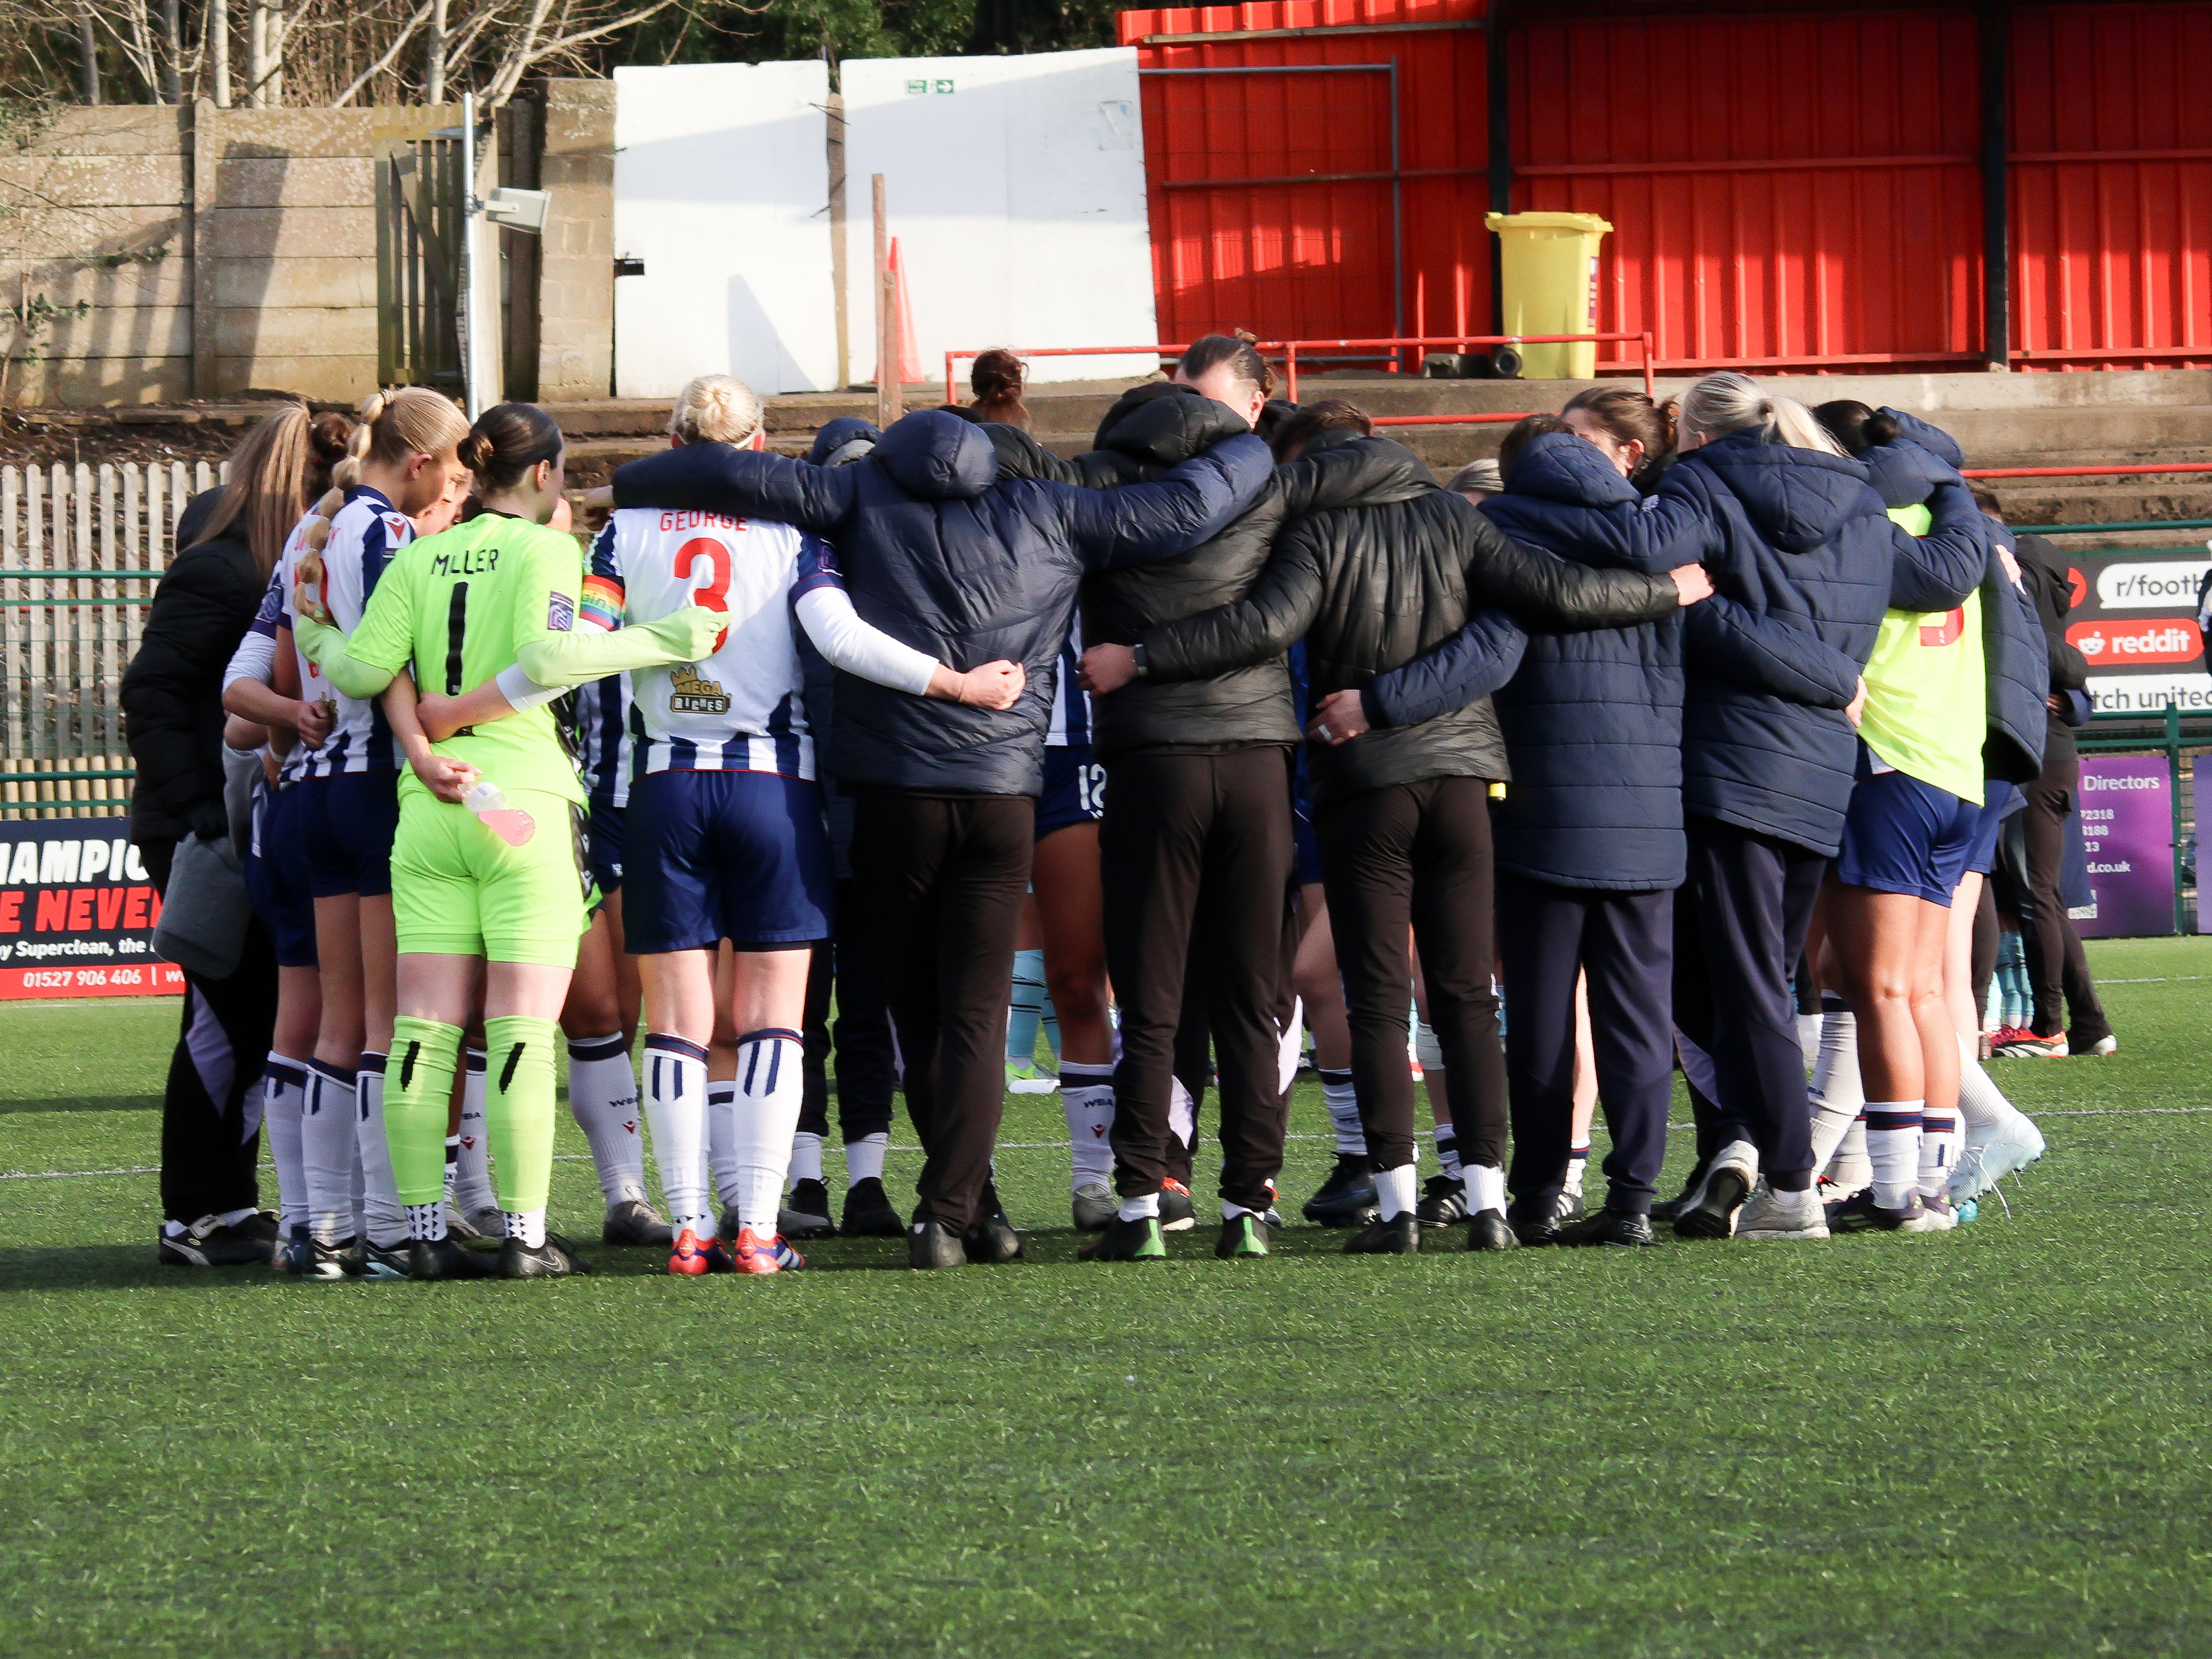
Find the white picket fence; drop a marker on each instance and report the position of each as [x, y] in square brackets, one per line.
[81, 548]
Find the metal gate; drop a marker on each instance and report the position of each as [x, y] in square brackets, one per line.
[418, 262]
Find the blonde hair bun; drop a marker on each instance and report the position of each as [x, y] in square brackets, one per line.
[716, 408]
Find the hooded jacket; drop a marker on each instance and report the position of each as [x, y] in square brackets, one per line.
[1372, 586]
[1800, 538]
[941, 554]
[2015, 655]
[173, 690]
[1152, 427]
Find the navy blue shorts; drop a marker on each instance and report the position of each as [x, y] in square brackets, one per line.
[1902, 835]
[737, 856]
[1074, 789]
[606, 828]
[346, 825]
[277, 880]
[1998, 799]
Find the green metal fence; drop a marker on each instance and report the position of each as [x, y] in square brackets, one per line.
[81, 551]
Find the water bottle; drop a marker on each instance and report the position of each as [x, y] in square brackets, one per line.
[488, 802]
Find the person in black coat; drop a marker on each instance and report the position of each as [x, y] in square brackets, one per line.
[1402, 815]
[173, 719]
[2070, 1017]
[941, 554]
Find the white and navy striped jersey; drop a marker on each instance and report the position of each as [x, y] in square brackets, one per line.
[742, 708]
[602, 738]
[1071, 703]
[364, 535]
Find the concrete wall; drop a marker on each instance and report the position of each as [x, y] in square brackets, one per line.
[99, 211]
[224, 250]
[575, 282]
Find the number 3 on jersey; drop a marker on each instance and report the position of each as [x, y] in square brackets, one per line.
[715, 595]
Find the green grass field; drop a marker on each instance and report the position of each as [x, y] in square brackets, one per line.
[1993, 1441]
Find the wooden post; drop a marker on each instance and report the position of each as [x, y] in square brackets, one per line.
[836, 128]
[890, 401]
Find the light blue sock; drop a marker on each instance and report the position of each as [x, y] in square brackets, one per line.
[1026, 1008]
[1052, 1029]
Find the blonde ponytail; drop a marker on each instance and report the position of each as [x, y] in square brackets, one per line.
[1729, 401]
[408, 420]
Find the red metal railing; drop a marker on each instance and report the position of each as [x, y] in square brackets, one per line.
[2085, 471]
[1290, 349]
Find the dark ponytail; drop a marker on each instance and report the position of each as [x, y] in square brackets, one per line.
[996, 380]
[1855, 426]
[1238, 351]
[505, 442]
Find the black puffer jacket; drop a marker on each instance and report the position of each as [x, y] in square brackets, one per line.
[173, 690]
[1373, 585]
[941, 554]
[1155, 426]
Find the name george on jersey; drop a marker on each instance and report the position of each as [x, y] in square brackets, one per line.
[676, 520]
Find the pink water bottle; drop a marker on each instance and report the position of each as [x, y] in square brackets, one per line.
[510, 824]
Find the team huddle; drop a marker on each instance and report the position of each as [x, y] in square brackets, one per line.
[1595, 766]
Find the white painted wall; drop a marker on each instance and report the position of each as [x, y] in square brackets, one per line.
[1016, 187]
[722, 188]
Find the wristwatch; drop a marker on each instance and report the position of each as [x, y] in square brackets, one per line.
[1137, 654]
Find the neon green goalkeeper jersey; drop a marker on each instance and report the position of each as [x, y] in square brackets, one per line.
[1926, 711]
[458, 607]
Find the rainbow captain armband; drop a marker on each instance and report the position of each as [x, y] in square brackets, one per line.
[601, 605]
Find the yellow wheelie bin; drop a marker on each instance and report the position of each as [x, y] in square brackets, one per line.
[1549, 262]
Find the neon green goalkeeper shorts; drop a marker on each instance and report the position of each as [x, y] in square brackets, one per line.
[460, 889]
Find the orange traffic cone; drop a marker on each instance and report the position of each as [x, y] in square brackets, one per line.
[909, 363]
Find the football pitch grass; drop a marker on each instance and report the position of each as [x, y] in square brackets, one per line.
[1991, 1442]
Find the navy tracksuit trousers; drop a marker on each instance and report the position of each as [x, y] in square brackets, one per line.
[1624, 942]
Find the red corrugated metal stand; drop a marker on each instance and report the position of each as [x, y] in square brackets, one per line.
[1789, 188]
[2111, 186]
[1277, 204]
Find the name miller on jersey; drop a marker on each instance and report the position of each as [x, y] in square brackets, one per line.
[471, 561]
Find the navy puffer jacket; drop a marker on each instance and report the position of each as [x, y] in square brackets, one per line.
[1800, 538]
[2014, 656]
[939, 553]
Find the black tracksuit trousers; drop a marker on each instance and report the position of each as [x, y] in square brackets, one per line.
[211, 1104]
[1418, 855]
[2057, 969]
[867, 1057]
[938, 882]
[1194, 854]
[1740, 928]
[1624, 942]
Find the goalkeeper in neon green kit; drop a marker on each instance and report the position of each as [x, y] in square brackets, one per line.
[501, 889]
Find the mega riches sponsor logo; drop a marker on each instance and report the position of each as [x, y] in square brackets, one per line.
[2108, 642]
[2150, 584]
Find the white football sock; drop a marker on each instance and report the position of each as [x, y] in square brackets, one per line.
[1893, 1146]
[1485, 1187]
[1577, 1167]
[1343, 1104]
[1981, 1102]
[805, 1158]
[1447, 1138]
[1808, 1038]
[1290, 1044]
[1939, 1150]
[1086, 1099]
[1837, 1094]
[453, 1165]
[386, 1216]
[1393, 1191]
[603, 1099]
[330, 1151]
[676, 1106]
[1146, 1208]
[864, 1158]
[473, 1170]
[771, 1090]
[1851, 1169]
[721, 1143]
[528, 1226]
[426, 1222]
[284, 1097]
